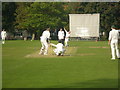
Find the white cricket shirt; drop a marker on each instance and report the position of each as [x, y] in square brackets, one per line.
[45, 35]
[3, 34]
[114, 36]
[61, 35]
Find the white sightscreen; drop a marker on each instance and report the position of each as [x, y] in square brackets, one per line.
[84, 25]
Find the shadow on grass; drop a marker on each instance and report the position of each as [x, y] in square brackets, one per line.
[100, 83]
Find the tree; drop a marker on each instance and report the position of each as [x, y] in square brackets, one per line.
[8, 18]
[21, 14]
[40, 15]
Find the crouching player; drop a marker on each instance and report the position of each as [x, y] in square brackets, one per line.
[59, 50]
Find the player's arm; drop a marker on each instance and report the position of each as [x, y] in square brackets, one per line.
[109, 39]
[109, 42]
[53, 45]
[65, 30]
[118, 30]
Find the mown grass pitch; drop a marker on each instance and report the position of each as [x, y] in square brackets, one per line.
[86, 64]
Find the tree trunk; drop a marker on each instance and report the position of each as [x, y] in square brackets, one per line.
[33, 36]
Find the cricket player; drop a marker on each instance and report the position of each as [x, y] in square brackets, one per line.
[3, 36]
[61, 35]
[113, 41]
[67, 37]
[59, 50]
[45, 41]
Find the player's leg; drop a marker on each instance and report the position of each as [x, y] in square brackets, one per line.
[55, 51]
[62, 40]
[66, 42]
[42, 48]
[63, 51]
[117, 50]
[113, 50]
[3, 40]
[46, 48]
[59, 53]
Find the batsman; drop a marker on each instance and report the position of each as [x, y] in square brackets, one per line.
[45, 41]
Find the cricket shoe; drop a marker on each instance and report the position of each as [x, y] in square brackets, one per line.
[3, 42]
[41, 53]
[112, 58]
[45, 54]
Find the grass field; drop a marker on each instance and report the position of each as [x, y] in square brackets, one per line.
[86, 64]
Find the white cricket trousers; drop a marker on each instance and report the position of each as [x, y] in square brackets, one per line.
[44, 48]
[115, 50]
[3, 39]
[57, 52]
[66, 41]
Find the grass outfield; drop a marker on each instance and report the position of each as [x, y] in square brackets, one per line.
[86, 64]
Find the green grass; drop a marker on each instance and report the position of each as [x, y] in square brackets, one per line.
[89, 67]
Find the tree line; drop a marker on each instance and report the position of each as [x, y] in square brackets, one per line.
[36, 16]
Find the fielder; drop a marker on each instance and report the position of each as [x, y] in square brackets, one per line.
[45, 41]
[3, 36]
[67, 37]
[113, 41]
[60, 50]
[61, 35]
